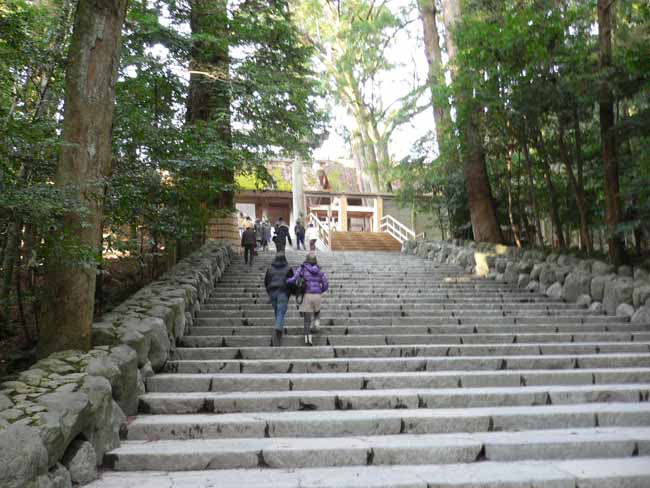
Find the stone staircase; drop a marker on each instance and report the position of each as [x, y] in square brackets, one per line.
[420, 376]
[364, 241]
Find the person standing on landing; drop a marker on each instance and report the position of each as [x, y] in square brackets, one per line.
[248, 242]
[299, 230]
[275, 282]
[281, 235]
[259, 233]
[312, 236]
[315, 285]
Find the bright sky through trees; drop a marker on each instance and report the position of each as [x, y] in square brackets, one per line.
[408, 54]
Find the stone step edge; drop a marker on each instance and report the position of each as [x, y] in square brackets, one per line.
[249, 395]
[599, 473]
[278, 453]
[409, 398]
[414, 358]
[350, 423]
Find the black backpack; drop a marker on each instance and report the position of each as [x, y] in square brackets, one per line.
[299, 288]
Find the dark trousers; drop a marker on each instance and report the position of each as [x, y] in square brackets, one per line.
[301, 240]
[280, 302]
[280, 244]
[249, 252]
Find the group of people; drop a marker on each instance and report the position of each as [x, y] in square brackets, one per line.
[311, 234]
[307, 282]
[258, 235]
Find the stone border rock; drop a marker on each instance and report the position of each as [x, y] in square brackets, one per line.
[59, 417]
[590, 283]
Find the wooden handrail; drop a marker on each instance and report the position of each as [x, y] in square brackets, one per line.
[323, 231]
[398, 230]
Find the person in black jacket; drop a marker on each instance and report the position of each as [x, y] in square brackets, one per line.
[299, 230]
[275, 282]
[249, 242]
[281, 235]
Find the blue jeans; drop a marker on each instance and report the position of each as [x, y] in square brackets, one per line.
[280, 303]
[301, 240]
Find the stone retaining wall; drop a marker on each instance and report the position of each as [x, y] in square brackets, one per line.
[59, 417]
[591, 283]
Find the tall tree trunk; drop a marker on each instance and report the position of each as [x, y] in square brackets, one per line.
[358, 155]
[485, 224]
[451, 14]
[552, 193]
[85, 161]
[428, 13]
[511, 217]
[532, 197]
[10, 258]
[613, 210]
[479, 194]
[209, 92]
[578, 190]
[555, 212]
[370, 150]
[367, 129]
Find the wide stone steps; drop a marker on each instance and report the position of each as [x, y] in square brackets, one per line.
[420, 363]
[364, 241]
[420, 376]
[417, 349]
[631, 472]
[549, 335]
[217, 402]
[346, 423]
[391, 450]
[384, 321]
[448, 308]
[383, 381]
[454, 333]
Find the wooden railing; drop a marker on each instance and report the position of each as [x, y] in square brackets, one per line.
[399, 231]
[323, 230]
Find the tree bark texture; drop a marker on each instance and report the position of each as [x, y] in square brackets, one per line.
[511, 218]
[485, 224]
[578, 190]
[10, 257]
[555, 212]
[369, 137]
[532, 197]
[209, 92]
[85, 161]
[479, 194]
[613, 210]
[441, 116]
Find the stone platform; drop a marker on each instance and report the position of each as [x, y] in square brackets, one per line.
[420, 376]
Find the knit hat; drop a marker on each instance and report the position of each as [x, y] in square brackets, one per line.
[311, 258]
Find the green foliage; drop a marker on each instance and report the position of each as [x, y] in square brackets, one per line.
[353, 39]
[166, 174]
[166, 170]
[531, 71]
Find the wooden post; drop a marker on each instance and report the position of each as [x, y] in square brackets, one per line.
[378, 214]
[297, 190]
[329, 216]
[343, 214]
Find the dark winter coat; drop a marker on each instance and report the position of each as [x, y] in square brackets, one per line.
[248, 238]
[276, 277]
[266, 231]
[315, 279]
[282, 234]
[259, 231]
